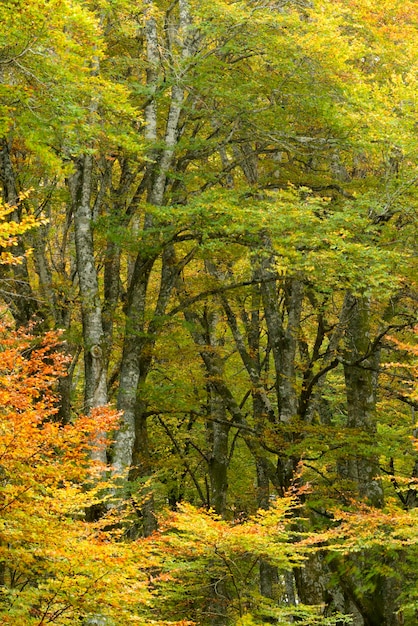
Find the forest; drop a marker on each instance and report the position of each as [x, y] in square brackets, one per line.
[208, 312]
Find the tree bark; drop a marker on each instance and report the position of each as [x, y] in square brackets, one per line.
[95, 367]
[360, 372]
[139, 341]
[21, 299]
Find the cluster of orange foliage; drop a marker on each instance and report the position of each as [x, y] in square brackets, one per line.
[54, 566]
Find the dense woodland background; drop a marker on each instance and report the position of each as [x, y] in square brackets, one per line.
[208, 319]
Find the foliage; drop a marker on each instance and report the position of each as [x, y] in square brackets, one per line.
[238, 180]
[54, 565]
[10, 231]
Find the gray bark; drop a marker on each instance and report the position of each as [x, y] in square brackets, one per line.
[91, 306]
[135, 310]
[139, 341]
[218, 427]
[283, 344]
[381, 605]
[282, 338]
[134, 345]
[218, 454]
[203, 331]
[268, 573]
[361, 385]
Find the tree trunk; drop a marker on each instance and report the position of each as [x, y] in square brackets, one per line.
[283, 343]
[361, 467]
[20, 297]
[218, 425]
[360, 371]
[218, 455]
[95, 366]
[130, 445]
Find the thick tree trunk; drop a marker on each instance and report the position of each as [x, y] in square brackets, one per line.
[95, 366]
[121, 214]
[361, 466]
[360, 371]
[142, 468]
[130, 445]
[135, 341]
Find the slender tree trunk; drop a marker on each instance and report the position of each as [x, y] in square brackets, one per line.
[283, 343]
[268, 573]
[203, 331]
[23, 303]
[218, 455]
[218, 426]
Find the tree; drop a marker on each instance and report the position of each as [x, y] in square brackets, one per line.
[230, 189]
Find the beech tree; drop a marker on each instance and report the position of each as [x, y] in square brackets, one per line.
[227, 194]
